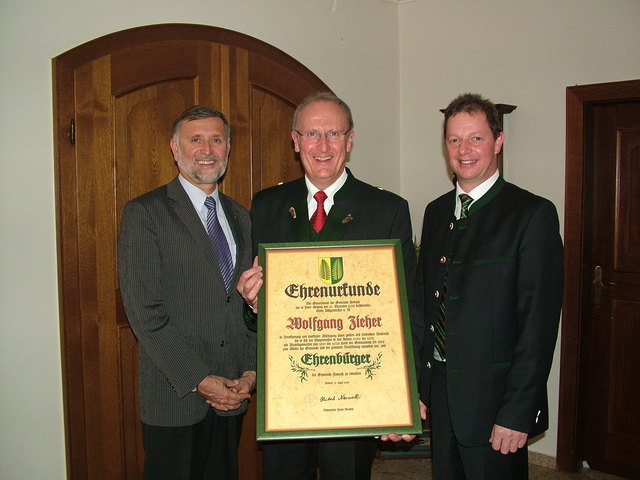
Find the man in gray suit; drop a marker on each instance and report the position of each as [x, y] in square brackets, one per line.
[181, 249]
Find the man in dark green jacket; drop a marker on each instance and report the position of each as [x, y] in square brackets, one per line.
[323, 134]
[490, 278]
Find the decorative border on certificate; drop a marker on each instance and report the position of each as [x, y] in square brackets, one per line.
[335, 355]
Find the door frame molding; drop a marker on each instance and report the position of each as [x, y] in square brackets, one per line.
[573, 321]
[106, 44]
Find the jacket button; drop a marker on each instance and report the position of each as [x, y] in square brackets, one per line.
[428, 364]
[451, 226]
[228, 298]
[443, 259]
[431, 329]
[436, 294]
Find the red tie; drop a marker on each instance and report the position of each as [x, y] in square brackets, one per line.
[319, 216]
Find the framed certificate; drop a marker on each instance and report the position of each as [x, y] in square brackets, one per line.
[335, 355]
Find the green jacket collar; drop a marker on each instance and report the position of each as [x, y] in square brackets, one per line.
[487, 197]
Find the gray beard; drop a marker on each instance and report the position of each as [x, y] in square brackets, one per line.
[209, 180]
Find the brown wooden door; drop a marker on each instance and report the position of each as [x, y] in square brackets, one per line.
[601, 319]
[611, 353]
[115, 100]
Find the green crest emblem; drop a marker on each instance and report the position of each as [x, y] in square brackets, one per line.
[330, 269]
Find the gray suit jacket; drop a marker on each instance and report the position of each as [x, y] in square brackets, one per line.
[188, 326]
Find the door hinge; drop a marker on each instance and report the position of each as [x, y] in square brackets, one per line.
[72, 132]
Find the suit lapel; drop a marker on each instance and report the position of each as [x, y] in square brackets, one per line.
[300, 227]
[338, 222]
[183, 208]
[487, 197]
[298, 214]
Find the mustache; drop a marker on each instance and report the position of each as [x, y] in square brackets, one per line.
[207, 157]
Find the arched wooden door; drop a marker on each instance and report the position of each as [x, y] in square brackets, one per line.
[115, 99]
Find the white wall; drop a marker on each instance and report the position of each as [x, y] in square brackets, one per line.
[523, 53]
[445, 48]
[352, 45]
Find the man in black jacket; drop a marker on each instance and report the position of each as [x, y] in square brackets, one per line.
[490, 277]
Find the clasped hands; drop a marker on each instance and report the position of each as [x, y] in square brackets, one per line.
[223, 393]
[227, 394]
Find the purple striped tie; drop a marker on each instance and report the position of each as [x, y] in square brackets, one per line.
[219, 242]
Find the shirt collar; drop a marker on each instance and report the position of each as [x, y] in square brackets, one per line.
[481, 189]
[330, 190]
[196, 195]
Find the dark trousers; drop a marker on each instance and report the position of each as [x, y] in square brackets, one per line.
[343, 459]
[207, 450]
[453, 461]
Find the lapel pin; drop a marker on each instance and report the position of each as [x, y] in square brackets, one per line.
[347, 219]
[292, 211]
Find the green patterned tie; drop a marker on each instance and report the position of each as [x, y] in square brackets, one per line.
[439, 331]
[465, 201]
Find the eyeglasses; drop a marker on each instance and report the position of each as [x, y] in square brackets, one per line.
[313, 136]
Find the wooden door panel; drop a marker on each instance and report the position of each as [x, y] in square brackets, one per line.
[236, 103]
[115, 101]
[276, 90]
[627, 252]
[96, 264]
[624, 414]
[274, 159]
[149, 63]
[143, 121]
[146, 64]
[610, 358]
[622, 436]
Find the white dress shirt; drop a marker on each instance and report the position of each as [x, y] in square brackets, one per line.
[197, 198]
